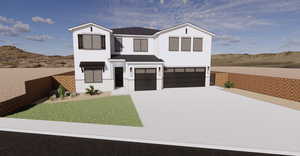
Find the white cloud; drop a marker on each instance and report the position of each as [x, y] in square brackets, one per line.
[21, 27]
[12, 27]
[38, 19]
[218, 15]
[39, 38]
[8, 31]
[227, 40]
[7, 20]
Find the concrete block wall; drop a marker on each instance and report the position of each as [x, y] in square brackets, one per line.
[274, 86]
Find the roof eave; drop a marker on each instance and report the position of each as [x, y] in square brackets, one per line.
[88, 25]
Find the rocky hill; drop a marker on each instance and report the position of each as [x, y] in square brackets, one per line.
[12, 57]
[281, 60]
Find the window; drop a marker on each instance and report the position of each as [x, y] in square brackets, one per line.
[185, 44]
[89, 41]
[173, 44]
[200, 70]
[140, 45]
[169, 70]
[93, 75]
[179, 69]
[198, 44]
[189, 69]
[118, 44]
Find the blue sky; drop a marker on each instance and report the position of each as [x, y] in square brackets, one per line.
[241, 26]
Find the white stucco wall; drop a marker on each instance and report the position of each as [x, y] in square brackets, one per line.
[184, 59]
[92, 55]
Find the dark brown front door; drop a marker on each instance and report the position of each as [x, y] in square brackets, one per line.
[145, 79]
[118, 77]
[184, 77]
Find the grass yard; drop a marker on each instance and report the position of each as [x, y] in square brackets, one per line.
[113, 110]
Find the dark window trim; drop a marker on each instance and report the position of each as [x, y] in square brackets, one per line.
[140, 50]
[178, 43]
[194, 44]
[80, 42]
[93, 69]
[121, 48]
[190, 44]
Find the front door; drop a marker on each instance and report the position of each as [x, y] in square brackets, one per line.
[118, 77]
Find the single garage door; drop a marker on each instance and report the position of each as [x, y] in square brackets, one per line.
[184, 77]
[145, 79]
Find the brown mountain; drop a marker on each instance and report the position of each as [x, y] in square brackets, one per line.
[12, 57]
[282, 60]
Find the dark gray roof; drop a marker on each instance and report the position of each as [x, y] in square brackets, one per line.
[135, 31]
[138, 58]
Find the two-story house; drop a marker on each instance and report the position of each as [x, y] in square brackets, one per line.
[141, 58]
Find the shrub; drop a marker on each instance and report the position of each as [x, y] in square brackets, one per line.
[228, 84]
[67, 93]
[73, 95]
[61, 91]
[92, 91]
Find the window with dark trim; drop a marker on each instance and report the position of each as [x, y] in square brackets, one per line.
[173, 43]
[91, 42]
[185, 44]
[140, 45]
[197, 44]
[118, 44]
[93, 75]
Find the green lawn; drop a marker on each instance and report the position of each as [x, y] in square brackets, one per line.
[113, 110]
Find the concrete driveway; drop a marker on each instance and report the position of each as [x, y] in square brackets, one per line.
[198, 117]
[213, 116]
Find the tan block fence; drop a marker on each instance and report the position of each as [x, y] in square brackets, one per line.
[274, 86]
[35, 90]
[67, 80]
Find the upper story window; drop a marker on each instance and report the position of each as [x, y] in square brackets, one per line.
[185, 44]
[197, 44]
[91, 41]
[140, 45]
[173, 43]
[118, 44]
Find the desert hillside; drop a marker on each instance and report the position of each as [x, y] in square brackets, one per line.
[281, 60]
[12, 57]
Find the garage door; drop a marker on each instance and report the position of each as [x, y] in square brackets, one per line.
[145, 79]
[184, 77]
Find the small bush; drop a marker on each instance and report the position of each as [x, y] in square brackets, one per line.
[73, 95]
[92, 91]
[228, 84]
[67, 93]
[61, 91]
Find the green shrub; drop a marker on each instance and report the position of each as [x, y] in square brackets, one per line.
[228, 84]
[91, 91]
[61, 91]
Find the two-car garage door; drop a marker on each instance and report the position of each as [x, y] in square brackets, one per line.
[145, 78]
[184, 77]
